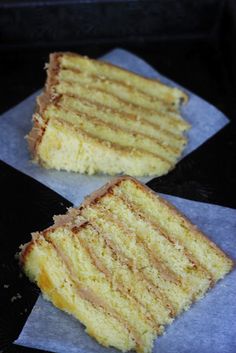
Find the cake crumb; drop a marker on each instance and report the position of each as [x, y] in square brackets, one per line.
[15, 297]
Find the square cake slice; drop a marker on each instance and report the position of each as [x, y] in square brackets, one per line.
[94, 117]
[125, 263]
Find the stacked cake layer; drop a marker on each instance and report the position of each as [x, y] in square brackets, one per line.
[94, 117]
[125, 264]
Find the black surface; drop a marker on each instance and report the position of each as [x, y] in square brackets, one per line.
[198, 52]
[49, 22]
[26, 206]
[208, 174]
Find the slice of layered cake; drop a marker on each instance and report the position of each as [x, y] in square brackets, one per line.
[125, 263]
[94, 117]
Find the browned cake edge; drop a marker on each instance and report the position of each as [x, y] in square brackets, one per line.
[39, 125]
[52, 71]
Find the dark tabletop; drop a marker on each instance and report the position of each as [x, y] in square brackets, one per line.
[201, 61]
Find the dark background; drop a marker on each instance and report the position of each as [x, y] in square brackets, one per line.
[192, 42]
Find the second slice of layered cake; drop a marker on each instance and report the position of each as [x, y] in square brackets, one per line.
[125, 263]
[95, 117]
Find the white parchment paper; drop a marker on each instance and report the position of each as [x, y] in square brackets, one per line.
[16, 123]
[208, 327]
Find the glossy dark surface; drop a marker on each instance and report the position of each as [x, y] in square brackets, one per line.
[198, 53]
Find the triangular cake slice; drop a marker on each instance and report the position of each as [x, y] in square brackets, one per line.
[94, 117]
[125, 263]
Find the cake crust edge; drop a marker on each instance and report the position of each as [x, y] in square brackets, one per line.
[39, 124]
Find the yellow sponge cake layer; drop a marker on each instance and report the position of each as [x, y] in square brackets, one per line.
[125, 263]
[127, 121]
[49, 270]
[86, 154]
[103, 105]
[121, 90]
[103, 71]
[171, 120]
